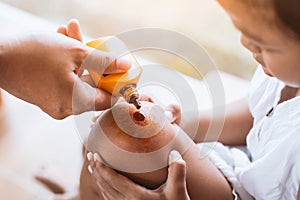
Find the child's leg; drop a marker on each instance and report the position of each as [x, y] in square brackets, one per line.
[88, 185]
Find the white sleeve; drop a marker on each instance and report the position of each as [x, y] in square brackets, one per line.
[228, 161]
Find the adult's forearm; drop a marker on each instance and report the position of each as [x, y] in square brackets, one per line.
[2, 64]
[8, 56]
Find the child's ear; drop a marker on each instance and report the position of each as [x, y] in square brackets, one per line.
[175, 113]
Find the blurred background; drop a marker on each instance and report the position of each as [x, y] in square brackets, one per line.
[29, 139]
[203, 21]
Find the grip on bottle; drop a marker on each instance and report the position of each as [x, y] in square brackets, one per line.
[113, 83]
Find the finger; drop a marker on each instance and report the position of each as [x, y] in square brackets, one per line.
[86, 98]
[169, 115]
[89, 156]
[144, 97]
[94, 119]
[103, 62]
[87, 79]
[175, 113]
[80, 72]
[105, 196]
[74, 30]
[117, 181]
[108, 191]
[62, 30]
[177, 172]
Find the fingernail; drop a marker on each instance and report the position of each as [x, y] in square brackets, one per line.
[89, 156]
[97, 157]
[94, 119]
[174, 157]
[90, 169]
[168, 115]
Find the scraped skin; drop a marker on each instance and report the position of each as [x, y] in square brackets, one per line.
[112, 135]
[146, 134]
[139, 116]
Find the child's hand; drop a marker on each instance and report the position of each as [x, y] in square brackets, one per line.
[172, 111]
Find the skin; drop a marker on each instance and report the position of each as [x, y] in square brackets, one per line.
[43, 69]
[278, 55]
[93, 188]
[174, 188]
[237, 123]
[271, 45]
[202, 178]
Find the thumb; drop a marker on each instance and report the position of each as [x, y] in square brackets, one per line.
[87, 98]
[104, 62]
[176, 183]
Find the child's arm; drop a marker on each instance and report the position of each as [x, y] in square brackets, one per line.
[237, 123]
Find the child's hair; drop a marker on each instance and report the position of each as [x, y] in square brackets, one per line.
[288, 12]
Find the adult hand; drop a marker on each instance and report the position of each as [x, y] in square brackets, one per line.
[113, 185]
[42, 69]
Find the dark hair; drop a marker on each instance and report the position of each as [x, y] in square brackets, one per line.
[288, 13]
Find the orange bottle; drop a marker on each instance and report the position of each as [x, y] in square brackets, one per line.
[122, 84]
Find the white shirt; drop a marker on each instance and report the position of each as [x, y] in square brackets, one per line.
[273, 142]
